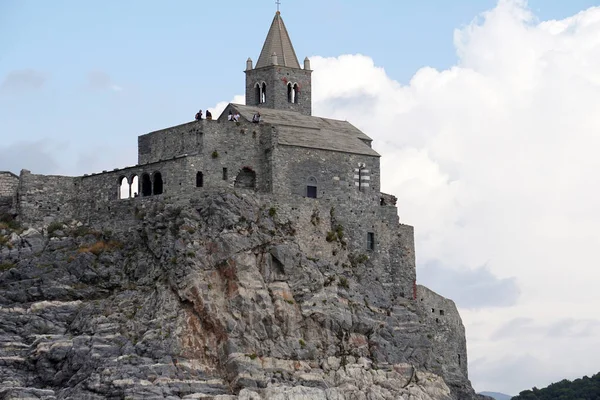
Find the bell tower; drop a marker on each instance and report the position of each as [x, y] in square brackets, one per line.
[277, 81]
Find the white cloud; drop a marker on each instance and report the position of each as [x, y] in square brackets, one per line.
[100, 80]
[23, 80]
[218, 109]
[495, 162]
[37, 156]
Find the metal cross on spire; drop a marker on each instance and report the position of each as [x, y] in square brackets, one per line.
[278, 4]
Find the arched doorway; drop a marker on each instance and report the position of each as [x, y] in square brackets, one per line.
[157, 184]
[146, 185]
[245, 179]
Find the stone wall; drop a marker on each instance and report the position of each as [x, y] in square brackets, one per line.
[336, 173]
[45, 197]
[277, 79]
[448, 334]
[212, 146]
[9, 183]
[315, 219]
[175, 141]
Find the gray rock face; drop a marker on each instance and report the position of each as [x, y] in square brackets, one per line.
[217, 298]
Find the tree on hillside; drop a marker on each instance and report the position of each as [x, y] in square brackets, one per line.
[580, 389]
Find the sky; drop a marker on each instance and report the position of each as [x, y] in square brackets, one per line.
[486, 114]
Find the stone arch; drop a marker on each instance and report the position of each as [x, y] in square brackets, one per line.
[157, 183]
[124, 188]
[312, 187]
[245, 179]
[263, 93]
[199, 179]
[135, 185]
[146, 185]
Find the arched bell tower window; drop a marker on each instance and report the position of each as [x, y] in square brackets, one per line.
[296, 92]
[257, 95]
[263, 93]
[292, 93]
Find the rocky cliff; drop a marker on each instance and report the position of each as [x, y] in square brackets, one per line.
[215, 298]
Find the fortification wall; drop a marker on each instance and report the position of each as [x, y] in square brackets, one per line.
[448, 333]
[9, 183]
[230, 155]
[45, 197]
[336, 174]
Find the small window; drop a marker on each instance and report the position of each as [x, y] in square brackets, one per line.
[458, 359]
[224, 174]
[441, 312]
[370, 241]
[311, 187]
[199, 179]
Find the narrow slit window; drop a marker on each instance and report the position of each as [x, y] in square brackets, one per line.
[224, 174]
[199, 179]
[311, 187]
[370, 241]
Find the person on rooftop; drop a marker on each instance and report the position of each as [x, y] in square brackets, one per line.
[208, 115]
[230, 116]
[199, 115]
[256, 118]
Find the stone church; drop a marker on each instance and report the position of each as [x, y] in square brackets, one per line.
[306, 167]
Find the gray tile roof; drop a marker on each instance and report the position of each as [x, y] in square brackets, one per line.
[300, 130]
[278, 42]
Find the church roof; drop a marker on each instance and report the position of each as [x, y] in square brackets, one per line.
[278, 42]
[295, 129]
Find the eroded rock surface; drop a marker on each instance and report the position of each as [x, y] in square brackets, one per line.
[213, 299]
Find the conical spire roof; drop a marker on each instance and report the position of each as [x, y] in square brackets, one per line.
[278, 42]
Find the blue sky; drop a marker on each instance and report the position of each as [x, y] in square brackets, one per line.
[170, 60]
[489, 142]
